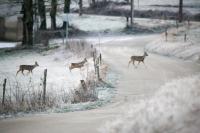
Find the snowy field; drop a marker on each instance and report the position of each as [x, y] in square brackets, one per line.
[192, 6]
[56, 61]
[176, 46]
[97, 24]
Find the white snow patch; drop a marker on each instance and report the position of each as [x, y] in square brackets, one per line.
[7, 45]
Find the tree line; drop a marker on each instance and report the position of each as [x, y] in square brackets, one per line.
[30, 9]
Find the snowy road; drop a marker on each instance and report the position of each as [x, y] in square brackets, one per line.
[135, 83]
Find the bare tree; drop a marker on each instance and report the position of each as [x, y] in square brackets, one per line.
[42, 13]
[80, 7]
[66, 10]
[53, 14]
[180, 14]
[132, 11]
[27, 9]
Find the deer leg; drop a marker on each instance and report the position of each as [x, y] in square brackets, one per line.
[23, 72]
[129, 62]
[70, 69]
[144, 63]
[18, 72]
[133, 63]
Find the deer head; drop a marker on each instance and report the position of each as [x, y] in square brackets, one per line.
[36, 64]
[85, 60]
[145, 54]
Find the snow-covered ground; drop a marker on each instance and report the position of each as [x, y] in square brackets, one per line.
[175, 44]
[59, 78]
[135, 84]
[7, 45]
[160, 96]
[174, 108]
[110, 24]
[191, 6]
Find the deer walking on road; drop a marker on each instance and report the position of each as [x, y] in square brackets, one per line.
[77, 65]
[137, 58]
[29, 68]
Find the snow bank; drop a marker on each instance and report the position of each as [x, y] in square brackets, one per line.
[175, 108]
[187, 51]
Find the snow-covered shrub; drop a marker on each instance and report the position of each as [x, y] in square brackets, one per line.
[173, 109]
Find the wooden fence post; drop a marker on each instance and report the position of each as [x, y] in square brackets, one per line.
[100, 59]
[4, 92]
[166, 34]
[93, 54]
[44, 86]
[98, 73]
[185, 37]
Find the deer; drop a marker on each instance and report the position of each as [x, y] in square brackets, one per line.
[29, 68]
[77, 65]
[138, 58]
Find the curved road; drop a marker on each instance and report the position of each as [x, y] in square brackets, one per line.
[135, 83]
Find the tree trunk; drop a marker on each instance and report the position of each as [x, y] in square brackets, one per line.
[80, 7]
[180, 14]
[132, 11]
[66, 10]
[27, 9]
[42, 13]
[24, 25]
[93, 2]
[53, 14]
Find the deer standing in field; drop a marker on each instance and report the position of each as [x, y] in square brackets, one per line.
[138, 58]
[77, 65]
[29, 68]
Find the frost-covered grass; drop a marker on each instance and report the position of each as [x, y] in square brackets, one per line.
[176, 46]
[24, 92]
[174, 108]
[60, 81]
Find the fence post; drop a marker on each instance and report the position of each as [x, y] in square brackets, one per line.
[166, 34]
[93, 54]
[4, 92]
[44, 86]
[100, 58]
[98, 74]
[185, 37]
